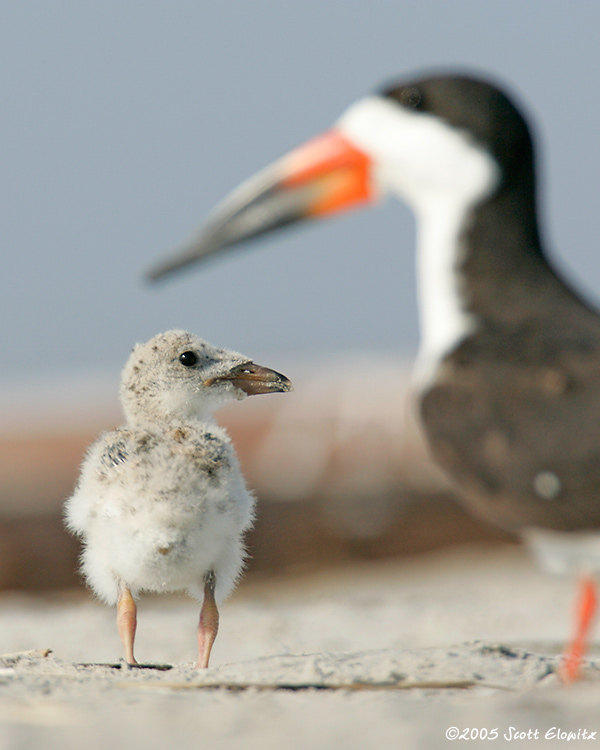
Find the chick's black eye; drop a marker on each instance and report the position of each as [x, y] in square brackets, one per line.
[188, 359]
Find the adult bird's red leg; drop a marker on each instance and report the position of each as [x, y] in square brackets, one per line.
[209, 622]
[127, 622]
[586, 609]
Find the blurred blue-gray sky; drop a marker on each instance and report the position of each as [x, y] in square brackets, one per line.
[124, 123]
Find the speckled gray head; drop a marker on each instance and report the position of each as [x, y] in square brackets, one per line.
[177, 376]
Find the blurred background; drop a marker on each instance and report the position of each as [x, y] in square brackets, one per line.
[123, 124]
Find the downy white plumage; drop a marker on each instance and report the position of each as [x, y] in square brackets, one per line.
[161, 504]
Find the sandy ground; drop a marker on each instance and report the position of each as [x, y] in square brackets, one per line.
[386, 654]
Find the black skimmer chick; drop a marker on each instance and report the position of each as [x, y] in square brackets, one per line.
[509, 363]
[161, 503]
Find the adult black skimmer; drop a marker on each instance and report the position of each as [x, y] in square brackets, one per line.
[161, 503]
[509, 363]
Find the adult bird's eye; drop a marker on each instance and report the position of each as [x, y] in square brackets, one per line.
[188, 359]
[410, 97]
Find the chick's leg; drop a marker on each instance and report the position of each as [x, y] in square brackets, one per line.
[209, 621]
[127, 622]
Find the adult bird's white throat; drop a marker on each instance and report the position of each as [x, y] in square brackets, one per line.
[510, 398]
[442, 173]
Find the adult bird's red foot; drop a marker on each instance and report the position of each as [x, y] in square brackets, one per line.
[509, 361]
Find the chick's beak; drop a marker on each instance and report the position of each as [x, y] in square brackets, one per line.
[253, 379]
